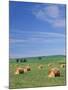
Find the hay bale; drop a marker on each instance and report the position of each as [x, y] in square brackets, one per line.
[51, 74]
[16, 72]
[62, 65]
[40, 66]
[49, 65]
[19, 71]
[25, 70]
[28, 68]
[54, 72]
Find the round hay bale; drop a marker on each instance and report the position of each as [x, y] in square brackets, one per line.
[28, 68]
[25, 70]
[40, 66]
[62, 65]
[54, 72]
[49, 65]
[19, 71]
[51, 74]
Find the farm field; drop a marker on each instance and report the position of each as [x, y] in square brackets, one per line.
[37, 77]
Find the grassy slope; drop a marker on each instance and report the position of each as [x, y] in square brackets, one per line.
[36, 77]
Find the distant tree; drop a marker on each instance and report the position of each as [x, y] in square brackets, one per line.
[17, 60]
[39, 58]
[21, 60]
[25, 60]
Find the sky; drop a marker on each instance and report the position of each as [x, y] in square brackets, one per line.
[36, 29]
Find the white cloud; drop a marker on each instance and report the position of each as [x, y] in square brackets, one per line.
[16, 40]
[52, 11]
[38, 37]
[50, 14]
[59, 23]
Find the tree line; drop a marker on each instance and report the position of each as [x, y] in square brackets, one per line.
[21, 60]
[25, 60]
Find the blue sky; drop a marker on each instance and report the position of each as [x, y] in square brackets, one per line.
[36, 29]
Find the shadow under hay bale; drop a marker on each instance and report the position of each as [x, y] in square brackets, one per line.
[21, 71]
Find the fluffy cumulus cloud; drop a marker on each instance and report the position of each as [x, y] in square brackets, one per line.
[51, 14]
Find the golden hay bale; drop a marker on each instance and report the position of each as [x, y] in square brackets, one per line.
[19, 71]
[28, 68]
[25, 70]
[40, 66]
[49, 65]
[51, 74]
[62, 65]
[54, 72]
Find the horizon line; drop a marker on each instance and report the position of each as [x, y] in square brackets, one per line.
[36, 56]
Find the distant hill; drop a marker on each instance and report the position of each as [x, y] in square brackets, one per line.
[50, 56]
